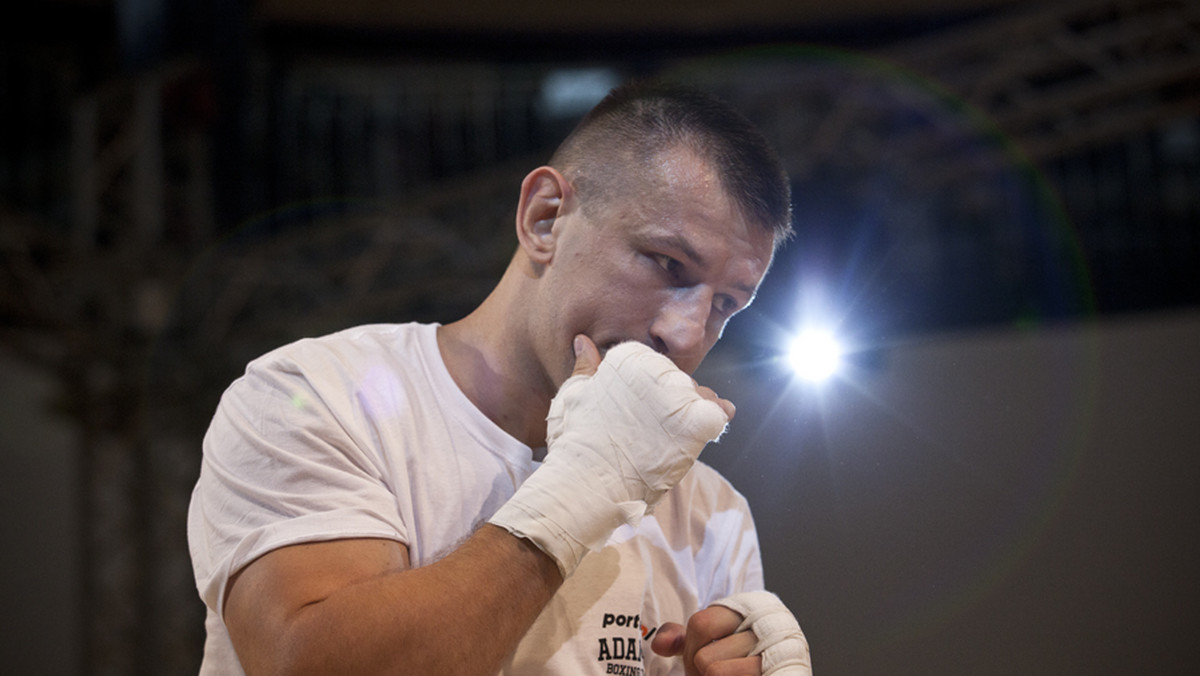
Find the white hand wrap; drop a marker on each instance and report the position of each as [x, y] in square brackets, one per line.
[616, 441]
[782, 645]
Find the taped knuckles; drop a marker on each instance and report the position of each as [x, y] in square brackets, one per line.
[617, 441]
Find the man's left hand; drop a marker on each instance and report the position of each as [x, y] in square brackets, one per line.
[747, 634]
[710, 645]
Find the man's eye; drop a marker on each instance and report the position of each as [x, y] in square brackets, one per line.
[668, 264]
[726, 305]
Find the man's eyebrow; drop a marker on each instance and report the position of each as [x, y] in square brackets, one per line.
[750, 291]
[677, 242]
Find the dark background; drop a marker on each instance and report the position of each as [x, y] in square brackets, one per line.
[997, 206]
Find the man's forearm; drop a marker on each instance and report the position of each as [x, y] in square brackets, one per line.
[461, 615]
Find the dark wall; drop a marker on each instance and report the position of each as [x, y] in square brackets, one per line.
[988, 503]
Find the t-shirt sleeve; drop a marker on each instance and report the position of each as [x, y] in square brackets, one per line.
[747, 564]
[729, 560]
[743, 571]
[287, 459]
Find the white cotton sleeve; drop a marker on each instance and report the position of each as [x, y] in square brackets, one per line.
[280, 468]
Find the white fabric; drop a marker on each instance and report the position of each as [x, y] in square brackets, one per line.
[364, 434]
[618, 440]
[781, 643]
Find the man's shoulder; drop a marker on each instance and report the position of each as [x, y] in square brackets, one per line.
[703, 484]
[706, 475]
[350, 344]
[337, 366]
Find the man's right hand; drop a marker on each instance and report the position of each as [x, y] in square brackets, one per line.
[621, 432]
[587, 360]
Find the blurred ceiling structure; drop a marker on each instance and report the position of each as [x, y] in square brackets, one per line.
[598, 16]
[184, 184]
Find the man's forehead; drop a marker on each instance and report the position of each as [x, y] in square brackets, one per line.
[677, 185]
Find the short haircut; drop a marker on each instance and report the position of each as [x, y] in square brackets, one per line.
[637, 122]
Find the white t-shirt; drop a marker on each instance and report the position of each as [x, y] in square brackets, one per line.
[363, 433]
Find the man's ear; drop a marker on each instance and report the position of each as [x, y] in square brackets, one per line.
[542, 195]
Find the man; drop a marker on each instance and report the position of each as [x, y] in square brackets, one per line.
[376, 501]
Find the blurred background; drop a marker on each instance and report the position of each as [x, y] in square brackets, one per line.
[998, 206]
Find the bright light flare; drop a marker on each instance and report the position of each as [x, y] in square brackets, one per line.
[815, 355]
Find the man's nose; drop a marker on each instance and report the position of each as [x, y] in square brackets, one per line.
[680, 329]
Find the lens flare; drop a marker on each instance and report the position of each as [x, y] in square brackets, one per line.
[815, 355]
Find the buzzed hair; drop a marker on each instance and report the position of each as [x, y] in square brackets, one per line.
[631, 127]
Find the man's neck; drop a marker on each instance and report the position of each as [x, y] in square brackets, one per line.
[493, 375]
